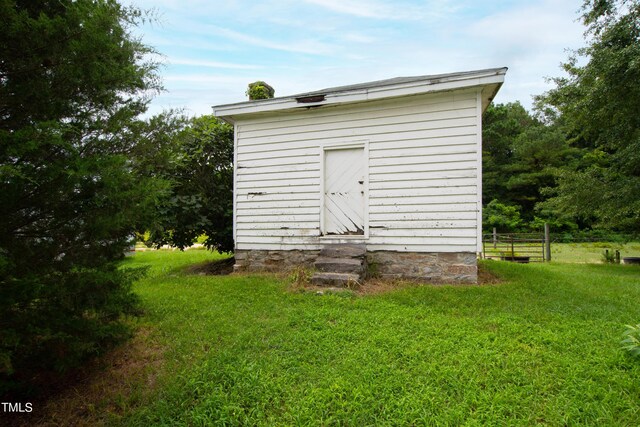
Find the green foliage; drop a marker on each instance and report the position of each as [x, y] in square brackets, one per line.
[502, 123]
[260, 90]
[76, 173]
[597, 104]
[520, 158]
[504, 218]
[200, 200]
[631, 341]
[608, 257]
[243, 350]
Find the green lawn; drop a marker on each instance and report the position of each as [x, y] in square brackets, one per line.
[542, 347]
[591, 252]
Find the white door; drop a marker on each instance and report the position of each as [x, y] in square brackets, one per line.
[344, 191]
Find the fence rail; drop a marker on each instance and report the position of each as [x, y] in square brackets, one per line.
[516, 247]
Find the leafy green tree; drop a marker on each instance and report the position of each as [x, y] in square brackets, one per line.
[75, 182]
[520, 157]
[539, 152]
[201, 197]
[598, 103]
[504, 218]
[502, 124]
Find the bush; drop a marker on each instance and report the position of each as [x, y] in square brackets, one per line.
[54, 321]
[260, 90]
[594, 236]
[631, 341]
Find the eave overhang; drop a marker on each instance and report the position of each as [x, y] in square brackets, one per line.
[489, 81]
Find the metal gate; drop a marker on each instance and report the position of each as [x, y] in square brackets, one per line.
[516, 247]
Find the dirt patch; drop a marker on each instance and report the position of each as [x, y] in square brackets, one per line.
[104, 390]
[220, 267]
[485, 277]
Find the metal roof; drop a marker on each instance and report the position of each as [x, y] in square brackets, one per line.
[433, 78]
[490, 78]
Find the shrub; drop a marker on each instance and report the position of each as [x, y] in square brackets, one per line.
[608, 257]
[260, 90]
[631, 341]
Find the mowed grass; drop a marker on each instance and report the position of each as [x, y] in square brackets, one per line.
[591, 252]
[540, 348]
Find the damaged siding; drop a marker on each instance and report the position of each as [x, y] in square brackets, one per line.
[423, 173]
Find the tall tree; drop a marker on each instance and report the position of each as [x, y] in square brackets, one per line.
[502, 124]
[520, 157]
[200, 200]
[598, 103]
[73, 81]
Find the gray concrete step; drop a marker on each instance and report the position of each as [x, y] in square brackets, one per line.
[342, 280]
[343, 251]
[340, 265]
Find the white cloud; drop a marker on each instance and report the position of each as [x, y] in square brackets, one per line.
[307, 46]
[298, 46]
[358, 38]
[539, 26]
[209, 79]
[387, 10]
[212, 64]
[532, 40]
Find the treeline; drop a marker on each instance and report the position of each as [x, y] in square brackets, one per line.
[574, 161]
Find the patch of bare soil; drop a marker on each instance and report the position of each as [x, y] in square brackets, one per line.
[485, 277]
[219, 267]
[102, 391]
[375, 286]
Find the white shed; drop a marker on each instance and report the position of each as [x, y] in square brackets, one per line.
[394, 166]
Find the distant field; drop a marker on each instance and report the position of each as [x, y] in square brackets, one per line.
[591, 252]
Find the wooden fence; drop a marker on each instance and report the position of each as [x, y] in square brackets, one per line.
[517, 247]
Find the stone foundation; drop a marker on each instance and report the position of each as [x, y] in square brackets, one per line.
[442, 267]
[422, 267]
[273, 261]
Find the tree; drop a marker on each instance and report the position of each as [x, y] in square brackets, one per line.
[201, 197]
[520, 157]
[504, 218]
[539, 152]
[502, 124]
[73, 81]
[598, 105]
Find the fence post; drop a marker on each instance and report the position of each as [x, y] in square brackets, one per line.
[483, 255]
[547, 241]
[513, 253]
[495, 238]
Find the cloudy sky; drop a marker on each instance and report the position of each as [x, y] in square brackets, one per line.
[213, 49]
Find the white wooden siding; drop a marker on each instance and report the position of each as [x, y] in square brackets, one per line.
[422, 182]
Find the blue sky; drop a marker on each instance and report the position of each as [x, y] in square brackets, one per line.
[212, 50]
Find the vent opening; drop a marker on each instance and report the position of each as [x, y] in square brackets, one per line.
[310, 99]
